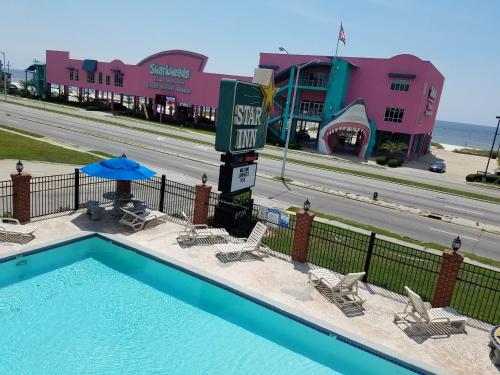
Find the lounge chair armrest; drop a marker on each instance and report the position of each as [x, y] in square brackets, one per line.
[238, 240]
[443, 319]
[200, 226]
[11, 220]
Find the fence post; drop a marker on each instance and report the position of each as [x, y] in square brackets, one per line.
[450, 265]
[77, 189]
[369, 255]
[162, 192]
[21, 196]
[200, 214]
[301, 236]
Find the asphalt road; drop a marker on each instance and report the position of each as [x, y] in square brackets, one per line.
[175, 155]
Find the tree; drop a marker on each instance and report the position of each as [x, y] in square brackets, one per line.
[393, 147]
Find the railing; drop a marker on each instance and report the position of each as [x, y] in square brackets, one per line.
[313, 82]
[52, 194]
[91, 188]
[477, 293]
[311, 113]
[6, 198]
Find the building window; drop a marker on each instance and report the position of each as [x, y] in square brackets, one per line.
[76, 75]
[107, 79]
[99, 77]
[400, 85]
[394, 114]
[71, 75]
[118, 80]
[90, 77]
[311, 108]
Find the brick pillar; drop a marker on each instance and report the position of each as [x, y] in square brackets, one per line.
[450, 266]
[200, 214]
[21, 204]
[301, 236]
[123, 186]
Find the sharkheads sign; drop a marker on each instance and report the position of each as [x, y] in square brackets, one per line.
[242, 116]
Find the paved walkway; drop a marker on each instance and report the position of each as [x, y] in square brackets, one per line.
[285, 283]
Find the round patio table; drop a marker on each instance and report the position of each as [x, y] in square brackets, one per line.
[119, 199]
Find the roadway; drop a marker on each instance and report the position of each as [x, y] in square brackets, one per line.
[193, 159]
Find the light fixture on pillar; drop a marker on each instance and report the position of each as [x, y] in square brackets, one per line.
[307, 205]
[455, 245]
[204, 178]
[123, 155]
[19, 166]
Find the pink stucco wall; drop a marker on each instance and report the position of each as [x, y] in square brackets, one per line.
[370, 81]
[204, 86]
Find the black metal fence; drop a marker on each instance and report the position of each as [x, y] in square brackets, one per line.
[387, 264]
[477, 293]
[6, 198]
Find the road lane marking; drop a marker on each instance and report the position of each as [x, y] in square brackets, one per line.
[464, 210]
[453, 234]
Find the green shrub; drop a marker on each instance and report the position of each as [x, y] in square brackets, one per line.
[393, 163]
[382, 160]
[492, 179]
[473, 177]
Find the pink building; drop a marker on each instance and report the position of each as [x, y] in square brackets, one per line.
[161, 82]
[367, 102]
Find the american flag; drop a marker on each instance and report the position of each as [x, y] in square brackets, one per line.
[342, 34]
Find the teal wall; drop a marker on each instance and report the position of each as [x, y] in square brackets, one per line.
[337, 89]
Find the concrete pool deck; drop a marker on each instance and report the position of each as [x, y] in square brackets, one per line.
[284, 282]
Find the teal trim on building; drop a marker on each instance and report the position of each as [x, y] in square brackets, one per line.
[373, 138]
[337, 89]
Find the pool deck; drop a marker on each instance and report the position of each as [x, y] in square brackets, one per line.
[278, 280]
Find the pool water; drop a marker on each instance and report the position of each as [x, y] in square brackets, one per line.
[95, 307]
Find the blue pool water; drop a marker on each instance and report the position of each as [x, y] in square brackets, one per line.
[95, 307]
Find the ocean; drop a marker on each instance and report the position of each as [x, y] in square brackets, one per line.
[18, 75]
[466, 135]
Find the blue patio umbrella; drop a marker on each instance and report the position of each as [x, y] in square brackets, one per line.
[120, 169]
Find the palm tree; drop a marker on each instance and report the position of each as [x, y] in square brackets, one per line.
[393, 147]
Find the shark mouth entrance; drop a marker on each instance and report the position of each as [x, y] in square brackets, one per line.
[348, 129]
[346, 136]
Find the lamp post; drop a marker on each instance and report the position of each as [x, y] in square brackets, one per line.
[19, 166]
[204, 178]
[282, 49]
[290, 120]
[492, 147]
[307, 205]
[4, 77]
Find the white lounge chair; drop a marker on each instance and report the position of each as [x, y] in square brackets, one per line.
[344, 289]
[138, 219]
[193, 232]
[236, 249]
[13, 228]
[424, 316]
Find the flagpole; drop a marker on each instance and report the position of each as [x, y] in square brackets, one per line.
[336, 50]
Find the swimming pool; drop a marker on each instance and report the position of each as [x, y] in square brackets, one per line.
[95, 306]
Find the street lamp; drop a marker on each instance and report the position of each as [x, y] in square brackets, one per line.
[204, 178]
[4, 76]
[455, 245]
[282, 49]
[290, 120]
[19, 166]
[307, 205]
[492, 147]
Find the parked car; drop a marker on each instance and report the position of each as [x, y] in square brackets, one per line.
[438, 167]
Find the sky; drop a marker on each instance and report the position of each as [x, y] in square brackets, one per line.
[461, 38]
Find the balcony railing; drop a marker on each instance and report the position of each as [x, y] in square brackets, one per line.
[311, 113]
[315, 82]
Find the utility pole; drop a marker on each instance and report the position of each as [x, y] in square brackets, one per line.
[4, 76]
[492, 147]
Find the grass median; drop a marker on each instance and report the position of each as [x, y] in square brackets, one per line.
[16, 146]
